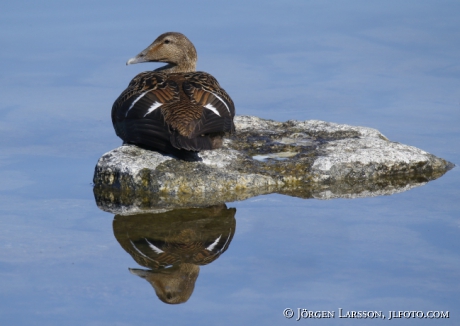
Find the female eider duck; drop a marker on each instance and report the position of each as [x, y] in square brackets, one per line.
[174, 109]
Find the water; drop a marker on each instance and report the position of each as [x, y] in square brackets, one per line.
[392, 66]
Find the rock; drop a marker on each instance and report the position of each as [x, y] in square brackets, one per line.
[301, 158]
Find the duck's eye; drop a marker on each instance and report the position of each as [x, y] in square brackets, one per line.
[167, 41]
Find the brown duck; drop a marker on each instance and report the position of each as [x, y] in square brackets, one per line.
[173, 109]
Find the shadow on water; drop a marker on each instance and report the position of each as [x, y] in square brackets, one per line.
[174, 244]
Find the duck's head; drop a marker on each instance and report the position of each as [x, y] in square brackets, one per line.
[172, 48]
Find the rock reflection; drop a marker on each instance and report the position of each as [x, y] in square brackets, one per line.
[174, 244]
[117, 201]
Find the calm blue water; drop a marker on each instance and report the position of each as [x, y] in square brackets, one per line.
[389, 65]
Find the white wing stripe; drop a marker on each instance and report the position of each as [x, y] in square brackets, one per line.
[140, 252]
[228, 238]
[222, 102]
[153, 107]
[213, 109]
[154, 248]
[135, 101]
[212, 245]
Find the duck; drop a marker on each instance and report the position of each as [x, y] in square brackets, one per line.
[174, 109]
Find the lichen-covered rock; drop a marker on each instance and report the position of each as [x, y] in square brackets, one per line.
[302, 158]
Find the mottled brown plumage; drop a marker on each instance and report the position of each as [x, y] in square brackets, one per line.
[173, 109]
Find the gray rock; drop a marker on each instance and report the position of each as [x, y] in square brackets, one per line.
[308, 159]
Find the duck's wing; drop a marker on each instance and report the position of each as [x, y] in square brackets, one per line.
[218, 108]
[171, 113]
[137, 116]
[147, 92]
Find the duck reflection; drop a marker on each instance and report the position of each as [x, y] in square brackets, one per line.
[174, 244]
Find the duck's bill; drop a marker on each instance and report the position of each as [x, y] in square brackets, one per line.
[137, 59]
